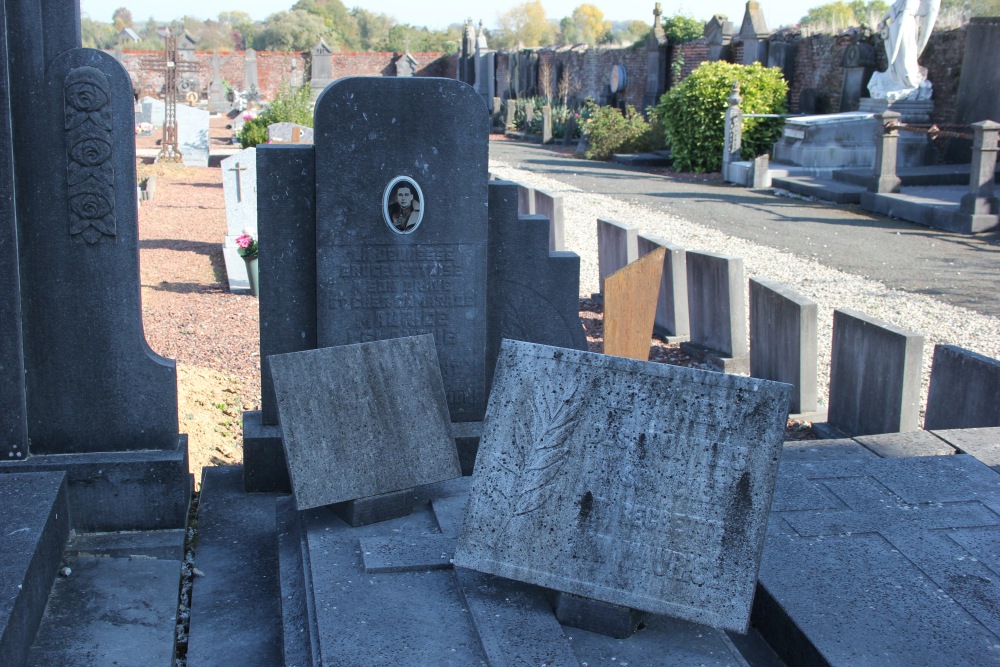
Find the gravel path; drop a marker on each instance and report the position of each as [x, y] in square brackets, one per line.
[829, 287]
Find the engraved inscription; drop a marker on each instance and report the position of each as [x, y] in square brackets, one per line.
[89, 147]
[390, 291]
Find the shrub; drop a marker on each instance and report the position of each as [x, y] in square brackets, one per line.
[290, 105]
[610, 131]
[693, 113]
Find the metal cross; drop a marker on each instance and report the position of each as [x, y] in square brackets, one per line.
[169, 151]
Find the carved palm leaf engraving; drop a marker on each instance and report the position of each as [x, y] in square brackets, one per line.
[540, 449]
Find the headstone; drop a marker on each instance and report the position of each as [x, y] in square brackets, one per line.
[754, 34]
[289, 133]
[322, 69]
[551, 206]
[964, 390]
[529, 115]
[525, 200]
[782, 55]
[251, 84]
[239, 186]
[13, 418]
[783, 340]
[374, 282]
[630, 298]
[677, 529]
[874, 375]
[672, 306]
[509, 120]
[98, 403]
[617, 246]
[546, 124]
[340, 268]
[466, 58]
[718, 33]
[657, 69]
[187, 81]
[859, 64]
[976, 91]
[406, 65]
[717, 310]
[217, 102]
[363, 420]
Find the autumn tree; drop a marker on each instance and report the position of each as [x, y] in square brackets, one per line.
[526, 25]
[587, 26]
[294, 30]
[122, 18]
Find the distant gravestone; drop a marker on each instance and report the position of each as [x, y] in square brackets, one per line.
[630, 298]
[217, 102]
[754, 34]
[363, 420]
[859, 64]
[617, 246]
[406, 65]
[551, 206]
[239, 186]
[251, 84]
[321, 73]
[289, 133]
[677, 528]
[546, 124]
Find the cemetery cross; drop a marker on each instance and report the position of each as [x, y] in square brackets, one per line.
[169, 65]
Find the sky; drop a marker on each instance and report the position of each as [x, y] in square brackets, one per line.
[437, 14]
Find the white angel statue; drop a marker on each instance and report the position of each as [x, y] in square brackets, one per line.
[905, 31]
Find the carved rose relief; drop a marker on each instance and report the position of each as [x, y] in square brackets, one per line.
[89, 146]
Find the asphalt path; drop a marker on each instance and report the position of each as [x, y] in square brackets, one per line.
[962, 270]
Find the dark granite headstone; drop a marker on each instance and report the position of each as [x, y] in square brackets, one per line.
[363, 420]
[859, 64]
[977, 98]
[639, 484]
[321, 73]
[94, 390]
[13, 418]
[374, 282]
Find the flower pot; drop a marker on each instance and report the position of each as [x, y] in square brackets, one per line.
[251, 263]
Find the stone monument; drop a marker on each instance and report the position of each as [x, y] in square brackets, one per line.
[905, 31]
[322, 69]
[637, 484]
[239, 185]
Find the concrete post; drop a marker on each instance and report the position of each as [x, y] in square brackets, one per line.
[885, 178]
[980, 198]
[733, 132]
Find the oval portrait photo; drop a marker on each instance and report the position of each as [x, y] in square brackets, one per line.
[402, 205]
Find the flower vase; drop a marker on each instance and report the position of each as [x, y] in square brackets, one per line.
[251, 263]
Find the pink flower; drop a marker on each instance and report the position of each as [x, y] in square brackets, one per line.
[244, 241]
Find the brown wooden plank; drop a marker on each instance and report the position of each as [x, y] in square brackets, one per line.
[630, 296]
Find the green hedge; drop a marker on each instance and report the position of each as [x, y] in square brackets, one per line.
[693, 113]
[291, 105]
[610, 131]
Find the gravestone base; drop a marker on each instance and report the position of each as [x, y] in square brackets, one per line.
[825, 431]
[409, 605]
[597, 616]
[714, 358]
[375, 509]
[664, 334]
[113, 491]
[264, 468]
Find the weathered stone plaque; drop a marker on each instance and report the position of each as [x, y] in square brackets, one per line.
[362, 420]
[630, 298]
[639, 484]
[385, 273]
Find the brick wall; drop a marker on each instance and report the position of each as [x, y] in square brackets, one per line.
[275, 69]
[691, 55]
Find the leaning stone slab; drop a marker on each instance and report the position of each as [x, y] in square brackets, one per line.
[630, 298]
[964, 390]
[638, 484]
[363, 420]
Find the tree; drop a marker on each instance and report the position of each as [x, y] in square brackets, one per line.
[835, 15]
[294, 30]
[242, 29]
[97, 35]
[122, 18]
[629, 32]
[524, 24]
[589, 25]
[338, 20]
[681, 28]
